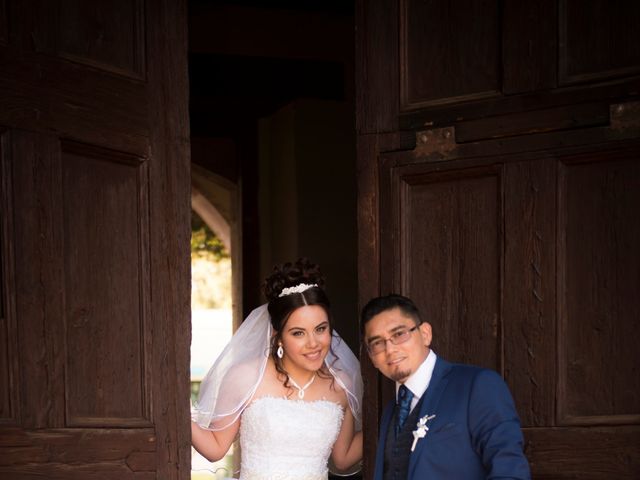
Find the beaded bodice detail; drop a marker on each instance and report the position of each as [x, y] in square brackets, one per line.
[285, 439]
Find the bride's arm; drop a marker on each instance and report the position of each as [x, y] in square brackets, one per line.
[347, 450]
[213, 445]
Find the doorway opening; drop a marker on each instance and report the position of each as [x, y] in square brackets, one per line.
[213, 295]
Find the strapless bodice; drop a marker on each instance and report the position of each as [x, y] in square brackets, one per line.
[285, 439]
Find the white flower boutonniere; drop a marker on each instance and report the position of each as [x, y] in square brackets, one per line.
[422, 430]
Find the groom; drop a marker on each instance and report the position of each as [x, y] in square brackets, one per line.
[450, 421]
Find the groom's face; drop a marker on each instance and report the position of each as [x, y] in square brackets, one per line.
[397, 362]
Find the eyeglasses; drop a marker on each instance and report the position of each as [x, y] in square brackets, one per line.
[379, 345]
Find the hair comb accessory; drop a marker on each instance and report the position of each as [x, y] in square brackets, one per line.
[301, 287]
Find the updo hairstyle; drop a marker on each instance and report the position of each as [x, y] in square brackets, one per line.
[290, 275]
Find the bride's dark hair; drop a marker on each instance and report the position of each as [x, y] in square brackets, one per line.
[288, 275]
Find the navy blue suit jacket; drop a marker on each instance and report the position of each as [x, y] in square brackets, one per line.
[475, 433]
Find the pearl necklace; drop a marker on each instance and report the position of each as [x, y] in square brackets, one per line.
[301, 389]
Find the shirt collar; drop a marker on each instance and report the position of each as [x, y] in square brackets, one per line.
[419, 380]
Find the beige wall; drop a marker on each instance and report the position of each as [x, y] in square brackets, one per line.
[308, 198]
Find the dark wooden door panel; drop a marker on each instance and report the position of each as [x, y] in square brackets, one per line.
[39, 296]
[598, 40]
[79, 453]
[529, 46]
[106, 336]
[449, 258]
[106, 35]
[598, 453]
[64, 97]
[95, 189]
[527, 263]
[529, 298]
[449, 51]
[4, 33]
[599, 280]
[9, 399]
[434, 63]
[544, 94]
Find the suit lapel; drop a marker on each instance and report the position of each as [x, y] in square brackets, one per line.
[432, 397]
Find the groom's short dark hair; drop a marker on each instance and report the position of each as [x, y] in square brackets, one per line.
[389, 302]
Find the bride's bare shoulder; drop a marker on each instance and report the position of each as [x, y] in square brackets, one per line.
[248, 369]
[333, 391]
[271, 383]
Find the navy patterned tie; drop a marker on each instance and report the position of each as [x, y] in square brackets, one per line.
[404, 407]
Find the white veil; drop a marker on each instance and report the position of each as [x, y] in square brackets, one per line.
[229, 385]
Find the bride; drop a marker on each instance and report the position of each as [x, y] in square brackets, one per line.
[287, 383]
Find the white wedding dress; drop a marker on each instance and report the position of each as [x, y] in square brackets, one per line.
[285, 439]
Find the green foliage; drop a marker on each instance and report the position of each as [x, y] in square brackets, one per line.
[204, 242]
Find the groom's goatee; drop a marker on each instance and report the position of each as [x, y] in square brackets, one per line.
[400, 375]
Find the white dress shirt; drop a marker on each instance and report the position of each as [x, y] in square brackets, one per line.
[419, 380]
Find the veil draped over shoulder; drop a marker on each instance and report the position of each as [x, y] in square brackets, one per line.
[231, 382]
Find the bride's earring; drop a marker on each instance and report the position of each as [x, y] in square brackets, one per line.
[280, 351]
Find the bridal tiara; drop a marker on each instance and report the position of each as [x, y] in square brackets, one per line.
[301, 287]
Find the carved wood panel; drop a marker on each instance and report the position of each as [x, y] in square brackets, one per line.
[105, 205]
[567, 234]
[546, 242]
[529, 46]
[594, 453]
[4, 28]
[106, 34]
[529, 297]
[598, 40]
[422, 64]
[599, 274]
[5, 377]
[37, 195]
[449, 259]
[83, 454]
[449, 51]
[9, 392]
[90, 163]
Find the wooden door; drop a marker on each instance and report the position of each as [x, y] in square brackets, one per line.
[95, 191]
[499, 185]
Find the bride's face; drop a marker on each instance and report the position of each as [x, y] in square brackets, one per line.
[306, 338]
